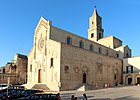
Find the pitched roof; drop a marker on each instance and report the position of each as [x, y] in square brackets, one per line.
[21, 56]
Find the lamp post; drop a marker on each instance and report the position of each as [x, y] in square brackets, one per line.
[8, 81]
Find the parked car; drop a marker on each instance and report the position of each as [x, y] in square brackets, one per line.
[41, 96]
[19, 93]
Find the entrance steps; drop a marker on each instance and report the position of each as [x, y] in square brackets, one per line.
[85, 87]
[40, 87]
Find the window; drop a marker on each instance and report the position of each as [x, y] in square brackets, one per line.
[127, 55]
[81, 44]
[100, 50]
[117, 55]
[3, 70]
[100, 35]
[91, 47]
[69, 40]
[92, 35]
[51, 61]
[115, 77]
[129, 69]
[30, 68]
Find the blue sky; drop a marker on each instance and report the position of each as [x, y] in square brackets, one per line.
[18, 19]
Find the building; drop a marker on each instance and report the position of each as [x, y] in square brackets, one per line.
[60, 60]
[15, 72]
[131, 71]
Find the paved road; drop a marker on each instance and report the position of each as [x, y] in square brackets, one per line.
[117, 93]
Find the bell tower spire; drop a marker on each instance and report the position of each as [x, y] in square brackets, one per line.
[95, 31]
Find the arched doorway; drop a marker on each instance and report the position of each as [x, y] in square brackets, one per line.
[84, 78]
[138, 79]
[129, 80]
[39, 75]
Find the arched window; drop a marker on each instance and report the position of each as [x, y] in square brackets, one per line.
[84, 77]
[91, 47]
[100, 50]
[92, 35]
[51, 62]
[81, 44]
[69, 40]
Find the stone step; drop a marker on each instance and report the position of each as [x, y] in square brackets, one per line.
[40, 87]
[85, 87]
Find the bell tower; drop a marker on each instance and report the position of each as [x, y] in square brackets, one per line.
[95, 31]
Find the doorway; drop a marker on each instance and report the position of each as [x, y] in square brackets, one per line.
[84, 78]
[138, 80]
[39, 75]
[129, 81]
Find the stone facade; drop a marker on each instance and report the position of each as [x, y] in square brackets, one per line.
[80, 66]
[15, 71]
[64, 61]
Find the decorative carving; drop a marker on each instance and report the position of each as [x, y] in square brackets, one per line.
[85, 69]
[99, 65]
[115, 68]
[41, 43]
[76, 69]
[66, 69]
[45, 44]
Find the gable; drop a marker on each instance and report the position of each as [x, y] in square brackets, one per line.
[42, 22]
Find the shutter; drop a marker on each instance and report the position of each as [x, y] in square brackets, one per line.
[126, 69]
[131, 69]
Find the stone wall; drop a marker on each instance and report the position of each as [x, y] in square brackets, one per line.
[61, 36]
[97, 67]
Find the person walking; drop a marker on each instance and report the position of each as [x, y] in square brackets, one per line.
[75, 98]
[58, 95]
[84, 97]
[72, 97]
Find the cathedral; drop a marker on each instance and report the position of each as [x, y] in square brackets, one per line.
[60, 60]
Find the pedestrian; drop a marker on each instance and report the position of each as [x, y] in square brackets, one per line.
[84, 97]
[96, 85]
[72, 97]
[58, 95]
[75, 98]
